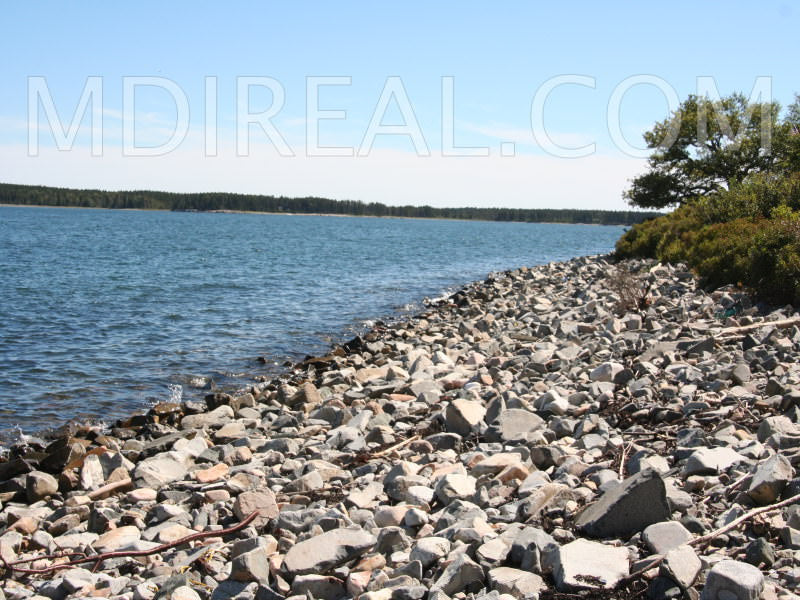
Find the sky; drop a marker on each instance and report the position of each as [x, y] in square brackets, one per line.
[508, 104]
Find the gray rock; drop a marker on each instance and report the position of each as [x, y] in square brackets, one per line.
[682, 565]
[711, 461]
[663, 537]
[733, 580]
[493, 552]
[252, 565]
[584, 564]
[776, 425]
[637, 502]
[760, 551]
[39, 485]
[790, 537]
[769, 479]
[327, 551]
[158, 471]
[92, 474]
[534, 549]
[231, 589]
[430, 549]
[461, 575]
[213, 419]
[454, 486]
[514, 424]
[464, 416]
[741, 374]
[644, 460]
[516, 582]
[306, 483]
[183, 592]
[605, 372]
[392, 539]
[320, 587]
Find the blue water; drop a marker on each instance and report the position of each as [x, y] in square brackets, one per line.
[105, 312]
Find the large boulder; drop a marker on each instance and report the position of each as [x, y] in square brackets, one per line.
[627, 508]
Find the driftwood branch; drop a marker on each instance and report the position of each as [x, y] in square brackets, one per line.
[782, 324]
[99, 558]
[101, 492]
[704, 539]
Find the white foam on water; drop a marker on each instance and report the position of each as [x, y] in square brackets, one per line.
[175, 392]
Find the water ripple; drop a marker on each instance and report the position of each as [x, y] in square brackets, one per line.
[104, 312]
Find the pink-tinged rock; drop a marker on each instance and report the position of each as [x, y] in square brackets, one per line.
[212, 474]
[174, 532]
[357, 582]
[217, 496]
[495, 463]
[512, 472]
[262, 501]
[390, 516]
[26, 525]
[117, 538]
[142, 495]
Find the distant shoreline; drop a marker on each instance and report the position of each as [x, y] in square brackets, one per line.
[300, 214]
[37, 195]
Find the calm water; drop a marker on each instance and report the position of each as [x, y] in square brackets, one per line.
[104, 312]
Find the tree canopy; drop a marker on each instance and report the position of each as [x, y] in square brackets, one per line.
[708, 146]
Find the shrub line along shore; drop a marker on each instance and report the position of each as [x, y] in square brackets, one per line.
[583, 427]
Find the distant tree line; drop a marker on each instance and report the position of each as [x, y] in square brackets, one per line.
[51, 196]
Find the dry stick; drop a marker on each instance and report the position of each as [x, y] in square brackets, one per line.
[110, 487]
[704, 539]
[622, 460]
[99, 558]
[733, 486]
[397, 446]
[783, 324]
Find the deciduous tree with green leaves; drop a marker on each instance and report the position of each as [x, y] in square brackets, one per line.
[706, 146]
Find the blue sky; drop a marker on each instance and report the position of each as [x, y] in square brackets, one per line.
[623, 59]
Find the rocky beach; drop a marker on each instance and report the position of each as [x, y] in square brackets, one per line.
[582, 429]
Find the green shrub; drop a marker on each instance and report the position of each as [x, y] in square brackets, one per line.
[756, 197]
[748, 236]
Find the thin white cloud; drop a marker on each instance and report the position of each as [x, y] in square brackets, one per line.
[524, 139]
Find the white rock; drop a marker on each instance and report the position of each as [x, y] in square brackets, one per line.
[584, 564]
